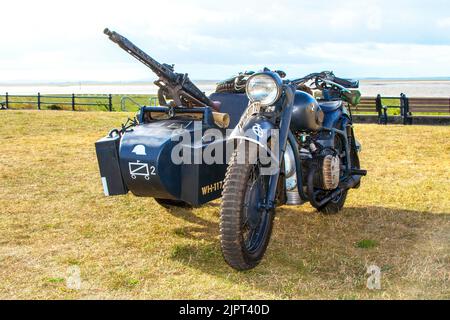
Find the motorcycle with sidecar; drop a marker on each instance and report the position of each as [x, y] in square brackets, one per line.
[259, 142]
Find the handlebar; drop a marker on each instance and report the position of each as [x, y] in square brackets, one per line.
[329, 76]
[348, 83]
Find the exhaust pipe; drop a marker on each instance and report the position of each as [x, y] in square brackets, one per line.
[350, 183]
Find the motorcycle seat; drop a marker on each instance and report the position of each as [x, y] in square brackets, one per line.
[330, 106]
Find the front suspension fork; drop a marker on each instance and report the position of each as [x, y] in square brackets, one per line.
[285, 124]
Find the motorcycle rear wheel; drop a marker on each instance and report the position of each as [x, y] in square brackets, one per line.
[336, 205]
[245, 229]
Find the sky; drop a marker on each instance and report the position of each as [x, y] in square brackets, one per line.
[56, 41]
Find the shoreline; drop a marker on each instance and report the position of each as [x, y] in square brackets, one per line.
[391, 87]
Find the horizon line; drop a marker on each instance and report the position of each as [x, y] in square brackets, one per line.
[43, 82]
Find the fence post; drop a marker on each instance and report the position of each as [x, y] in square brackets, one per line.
[73, 102]
[403, 107]
[404, 103]
[39, 101]
[408, 115]
[110, 102]
[6, 100]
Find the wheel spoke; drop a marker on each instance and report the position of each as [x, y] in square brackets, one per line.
[254, 224]
[250, 238]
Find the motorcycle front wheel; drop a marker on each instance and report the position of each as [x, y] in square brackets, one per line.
[245, 226]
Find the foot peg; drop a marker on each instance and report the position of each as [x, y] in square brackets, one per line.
[357, 172]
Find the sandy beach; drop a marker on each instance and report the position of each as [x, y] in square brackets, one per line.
[412, 88]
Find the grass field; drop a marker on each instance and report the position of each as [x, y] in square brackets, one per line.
[53, 215]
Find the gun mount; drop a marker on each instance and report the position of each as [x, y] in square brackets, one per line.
[172, 86]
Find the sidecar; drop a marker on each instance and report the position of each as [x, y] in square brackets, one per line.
[140, 159]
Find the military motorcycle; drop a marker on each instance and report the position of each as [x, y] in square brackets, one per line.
[260, 141]
[317, 157]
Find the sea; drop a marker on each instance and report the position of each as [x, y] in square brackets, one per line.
[412, 88]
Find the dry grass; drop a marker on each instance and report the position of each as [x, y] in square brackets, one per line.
[53, 215]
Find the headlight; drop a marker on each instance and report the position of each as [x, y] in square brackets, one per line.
[264, 88]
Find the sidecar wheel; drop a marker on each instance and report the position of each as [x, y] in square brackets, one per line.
[243, 244]
[167, 203]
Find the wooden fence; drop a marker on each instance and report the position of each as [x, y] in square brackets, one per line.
[39, 101]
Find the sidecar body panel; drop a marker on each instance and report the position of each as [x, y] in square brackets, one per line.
[141, 153]
[107, 150]
[149, 170]
[140, 161]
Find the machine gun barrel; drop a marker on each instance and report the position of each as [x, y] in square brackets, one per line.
[163, 71]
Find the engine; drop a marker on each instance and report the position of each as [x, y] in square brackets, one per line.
[306, 114]
[327, 175]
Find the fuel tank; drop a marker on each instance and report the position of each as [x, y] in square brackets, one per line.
[306, 114]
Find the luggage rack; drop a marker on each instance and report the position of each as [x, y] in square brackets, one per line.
[208, 118]
[124, 99]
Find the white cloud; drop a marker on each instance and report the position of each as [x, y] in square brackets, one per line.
[444, 23]
[63, 40]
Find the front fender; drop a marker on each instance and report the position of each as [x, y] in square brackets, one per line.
[260, 131]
